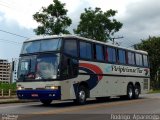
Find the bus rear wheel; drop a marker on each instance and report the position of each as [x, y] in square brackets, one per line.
[81, 95]
[45, 102]
[130, 92]
[136, 91]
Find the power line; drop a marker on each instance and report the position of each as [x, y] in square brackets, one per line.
[9, 41]
[129, 43]
[13, 34]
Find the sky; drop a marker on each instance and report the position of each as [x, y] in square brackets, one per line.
[140, 20]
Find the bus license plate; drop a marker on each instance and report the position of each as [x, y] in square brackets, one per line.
[34, 95]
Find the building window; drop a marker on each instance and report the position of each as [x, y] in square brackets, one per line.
[85, 50]
[139, 59]
[70, 47]
[122, 56]
[131, 58]
[111, 54]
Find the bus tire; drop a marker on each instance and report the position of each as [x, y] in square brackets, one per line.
[136, 91]
[45, 102]
[130, 91]
[81, 95]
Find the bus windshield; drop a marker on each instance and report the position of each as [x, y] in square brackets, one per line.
[41, 46]
[38, 67]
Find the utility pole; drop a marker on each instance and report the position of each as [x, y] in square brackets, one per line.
[113, 39]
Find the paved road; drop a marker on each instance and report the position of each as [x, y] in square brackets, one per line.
[147, 104]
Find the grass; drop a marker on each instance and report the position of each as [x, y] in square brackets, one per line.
[6, 86]
[154, 91]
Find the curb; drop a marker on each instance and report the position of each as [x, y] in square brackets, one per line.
[9, 101]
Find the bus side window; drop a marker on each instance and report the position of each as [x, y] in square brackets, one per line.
[98, 52]
[121, 56]
[85, 50]
[131, 58]
[139, 59]
[69, 67]
[145, 60]
[111, 54]
[70, 47]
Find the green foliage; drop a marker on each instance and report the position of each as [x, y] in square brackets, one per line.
[6, 87]
[98, 25]
[52, 20]
[152, 46]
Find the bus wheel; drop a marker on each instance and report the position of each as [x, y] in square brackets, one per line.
[136, 91]
[81, 95]
[45, 102]
[130, 92]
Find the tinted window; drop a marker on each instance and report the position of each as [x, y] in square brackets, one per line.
[26, 68]
[47, 67]
[131, 58]
[139, 59]
[111, 54]
[85, 50]
[122, 56]
[31, 47]
[41, 46]
[70, 47]
[145, 60]
[69, 67]
[50, 45]
[98, 52]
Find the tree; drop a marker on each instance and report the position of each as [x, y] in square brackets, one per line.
[152, 46]
[52, 20]
[98, 25]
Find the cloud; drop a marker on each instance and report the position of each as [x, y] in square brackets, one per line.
[141, 20]
[21, 11]
[10, 45]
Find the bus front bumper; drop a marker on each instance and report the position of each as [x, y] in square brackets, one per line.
[39, 94]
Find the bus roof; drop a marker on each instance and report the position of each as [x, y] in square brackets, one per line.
[82, 38]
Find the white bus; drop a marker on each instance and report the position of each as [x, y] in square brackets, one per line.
[69, 67]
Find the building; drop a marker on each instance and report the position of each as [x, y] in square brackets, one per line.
[5, 71]
[14, 69]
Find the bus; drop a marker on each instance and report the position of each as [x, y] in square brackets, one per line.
[69, 67]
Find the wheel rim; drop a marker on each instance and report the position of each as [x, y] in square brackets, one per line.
[137, 91]
[130, 93]
[82, 96]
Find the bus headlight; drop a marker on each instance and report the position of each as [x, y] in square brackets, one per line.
[20, 88]
[52, 87]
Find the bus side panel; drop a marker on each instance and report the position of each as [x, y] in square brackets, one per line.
[69, 87]
[110, 86]
[112, 79]
[65, 89]
[116, 86]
